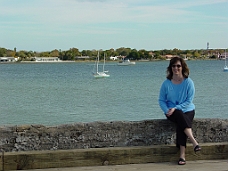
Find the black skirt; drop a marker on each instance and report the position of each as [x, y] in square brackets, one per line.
[182, 121]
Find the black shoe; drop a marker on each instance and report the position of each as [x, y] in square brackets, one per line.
[197, 148]
[181, 161]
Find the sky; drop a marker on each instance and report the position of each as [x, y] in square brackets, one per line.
[45, 25]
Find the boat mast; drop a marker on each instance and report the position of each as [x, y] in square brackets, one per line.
[97, 60]
[225, 57]
[104, 62]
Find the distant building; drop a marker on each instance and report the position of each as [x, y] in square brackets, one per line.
[82, 57]
[169, 57]
[46, 59]
[8, 59]
[113, 58]
[223, 55]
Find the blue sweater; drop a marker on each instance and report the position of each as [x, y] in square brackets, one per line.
[179, 96]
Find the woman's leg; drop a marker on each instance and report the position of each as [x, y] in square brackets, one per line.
[182, 152]
[183, 123]
[188, 132]
[182, 155]
[179, 118]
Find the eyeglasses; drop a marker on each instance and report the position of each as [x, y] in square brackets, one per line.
[178, 66]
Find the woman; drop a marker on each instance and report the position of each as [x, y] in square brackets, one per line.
[176, 101]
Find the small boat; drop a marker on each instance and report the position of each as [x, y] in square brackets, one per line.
[225, 67]
[125, 62]
[103, 73]
[185, 58]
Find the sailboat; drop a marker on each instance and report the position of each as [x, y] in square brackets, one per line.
[225, 67]
[103, 73]
[125, 62]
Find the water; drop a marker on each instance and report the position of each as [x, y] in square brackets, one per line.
[62, 93]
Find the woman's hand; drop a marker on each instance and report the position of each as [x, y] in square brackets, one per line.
[170, 112]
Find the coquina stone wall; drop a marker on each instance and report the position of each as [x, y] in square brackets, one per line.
[105, 134]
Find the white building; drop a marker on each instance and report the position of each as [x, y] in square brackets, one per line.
[8, 59]
[47, 59]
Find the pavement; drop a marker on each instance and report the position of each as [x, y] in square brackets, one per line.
[199, 165]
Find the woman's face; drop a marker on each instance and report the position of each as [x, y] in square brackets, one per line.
[177, 68]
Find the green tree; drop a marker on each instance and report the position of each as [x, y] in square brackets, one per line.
[45, 54]
[54, 53]
[21, 54]
[166, 52]
[86, 53]
[176, 51]
[196, 54]
[143, 54]
[111, 52]
[134, 55]
[123, 51]
[3, 52]
[157, 54]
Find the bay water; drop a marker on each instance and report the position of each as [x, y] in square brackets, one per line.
[63, 93]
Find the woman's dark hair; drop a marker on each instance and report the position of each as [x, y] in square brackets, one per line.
[185, 69]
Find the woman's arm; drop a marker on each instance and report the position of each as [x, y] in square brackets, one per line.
[162, 100]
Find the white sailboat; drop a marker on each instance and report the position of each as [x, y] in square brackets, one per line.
[103, 73]
[125, 62]
[225, 67]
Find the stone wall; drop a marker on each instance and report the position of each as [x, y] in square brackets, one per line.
[105, 134]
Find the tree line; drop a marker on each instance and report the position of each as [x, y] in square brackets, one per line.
[129, 53]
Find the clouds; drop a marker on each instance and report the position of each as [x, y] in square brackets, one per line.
[78, 18]
[101, 11]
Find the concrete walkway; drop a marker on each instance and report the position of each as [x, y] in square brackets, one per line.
[199, 165]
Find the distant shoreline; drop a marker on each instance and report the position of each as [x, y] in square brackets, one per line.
[87, 61]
